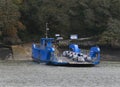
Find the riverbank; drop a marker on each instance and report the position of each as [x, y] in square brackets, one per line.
[23, 52]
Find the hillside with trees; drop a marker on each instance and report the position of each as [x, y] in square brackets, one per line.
[24, 20]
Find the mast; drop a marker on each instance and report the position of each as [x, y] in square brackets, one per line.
[47, 30]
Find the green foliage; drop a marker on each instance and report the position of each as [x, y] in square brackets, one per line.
[37, 13]
[87, 18]
[112, 35]
[9, 20]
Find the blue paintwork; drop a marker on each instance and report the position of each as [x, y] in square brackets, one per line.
[45, 52]
[95, 52]
[74, 48]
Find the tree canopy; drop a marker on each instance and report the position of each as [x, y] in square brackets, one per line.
[26, 19]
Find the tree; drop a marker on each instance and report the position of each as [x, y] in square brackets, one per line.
[9, 21]
[112, 35]
[54, 12]
[83, 17]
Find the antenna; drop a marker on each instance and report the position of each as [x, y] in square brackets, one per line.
[47, 30]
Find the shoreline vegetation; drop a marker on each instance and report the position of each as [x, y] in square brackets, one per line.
[23, 21]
